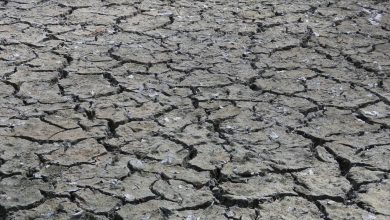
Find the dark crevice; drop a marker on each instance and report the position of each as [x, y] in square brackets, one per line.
[344, 164]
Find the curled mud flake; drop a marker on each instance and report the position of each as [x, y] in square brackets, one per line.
[368, 216]
[274, 135]
[230, 214]
[16, 56]
[165, 13]
[140, 89]
[48, 215]
[168, 160]
[136, 164]
[78, 214]
[375, 19]
[192, 217]
[127, 114]
[129, 197]
[115, 184]
[152, 93]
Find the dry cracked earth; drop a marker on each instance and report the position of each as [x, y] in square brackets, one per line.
[144, 109]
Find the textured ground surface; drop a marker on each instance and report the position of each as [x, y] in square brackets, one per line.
[254, 109]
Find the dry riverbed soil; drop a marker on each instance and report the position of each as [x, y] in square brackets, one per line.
[146, 109]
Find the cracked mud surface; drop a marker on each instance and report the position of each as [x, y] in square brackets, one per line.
[193, 110]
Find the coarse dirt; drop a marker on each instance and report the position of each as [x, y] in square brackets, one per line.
[194, 110]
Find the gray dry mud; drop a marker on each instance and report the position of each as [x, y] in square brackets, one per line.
[253, 109]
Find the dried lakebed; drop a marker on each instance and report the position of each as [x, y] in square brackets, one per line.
[179, 109]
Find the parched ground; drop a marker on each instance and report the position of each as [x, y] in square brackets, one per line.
[181, 109]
